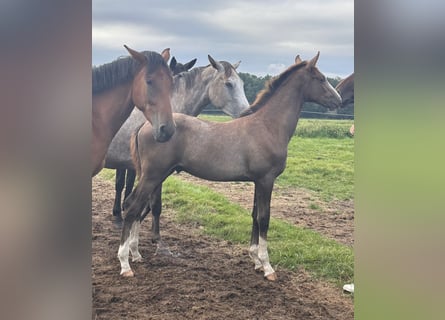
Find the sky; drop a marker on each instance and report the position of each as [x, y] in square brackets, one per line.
[264, 35]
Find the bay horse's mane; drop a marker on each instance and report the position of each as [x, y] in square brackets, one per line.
[270, 87]
[122, 70]
[190, 76]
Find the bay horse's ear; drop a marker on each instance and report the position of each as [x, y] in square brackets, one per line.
[190, 64]
[298, 59]
[139, 57]
[173, 63]
[314, 60]
[236, 65]
[215, 64]
[166, 54]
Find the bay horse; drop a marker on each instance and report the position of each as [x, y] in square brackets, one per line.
[142, 80]
[218, 84]
[250, 148]
[346, 90]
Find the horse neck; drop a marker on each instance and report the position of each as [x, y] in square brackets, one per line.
[191, 100]
[282, 110]
[111, 108]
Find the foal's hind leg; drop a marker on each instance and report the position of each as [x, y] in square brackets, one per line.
[130, 230]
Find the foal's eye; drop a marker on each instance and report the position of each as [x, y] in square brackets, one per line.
[229, 85]
[150, 82]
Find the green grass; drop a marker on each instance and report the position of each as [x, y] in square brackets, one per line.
[289, 246]
[321, 165]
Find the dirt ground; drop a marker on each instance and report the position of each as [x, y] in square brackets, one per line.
[213, 279]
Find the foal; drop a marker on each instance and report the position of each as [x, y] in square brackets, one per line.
[250, 148]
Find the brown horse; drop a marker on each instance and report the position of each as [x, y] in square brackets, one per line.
[250, 148]
[346, 90]
[143, 80]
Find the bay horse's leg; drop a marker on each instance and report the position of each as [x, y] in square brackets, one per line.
[119, 186]
[263, 190]
[253, 250]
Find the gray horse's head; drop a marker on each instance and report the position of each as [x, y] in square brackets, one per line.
[226, 92]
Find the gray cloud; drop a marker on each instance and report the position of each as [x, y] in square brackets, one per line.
[260, 33]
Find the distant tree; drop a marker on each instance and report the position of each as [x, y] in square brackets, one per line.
[254, 84]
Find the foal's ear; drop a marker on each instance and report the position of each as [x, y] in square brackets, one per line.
[190, 64]
[236, 65]
[215, 64]
[298, 59]
[139, 57]
[314, 60]
[166, 54]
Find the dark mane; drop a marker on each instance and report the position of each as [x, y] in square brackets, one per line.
[270, 87]
[122, 70]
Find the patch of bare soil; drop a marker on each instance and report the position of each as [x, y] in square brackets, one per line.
[335, 221]
[207, 279]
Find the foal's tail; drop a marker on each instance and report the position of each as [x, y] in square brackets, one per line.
[134, 147]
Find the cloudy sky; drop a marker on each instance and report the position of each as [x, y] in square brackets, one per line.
[265, 35]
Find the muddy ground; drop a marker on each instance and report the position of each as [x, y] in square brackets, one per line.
[213, 279]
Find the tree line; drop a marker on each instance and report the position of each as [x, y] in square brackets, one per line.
[254, 84]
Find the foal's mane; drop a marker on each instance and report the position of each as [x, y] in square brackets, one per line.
[270, 87]
[122, 70]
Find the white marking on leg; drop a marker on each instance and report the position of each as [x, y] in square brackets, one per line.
[264, 257]
[253, 253]
[122, 254]
[134, 242]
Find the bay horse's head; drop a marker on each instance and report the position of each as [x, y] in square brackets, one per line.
[152, 86]
[177, 67]
[318, 88]
[226, 90]
[346, 89]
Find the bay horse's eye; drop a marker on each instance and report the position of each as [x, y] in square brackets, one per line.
[150, 82]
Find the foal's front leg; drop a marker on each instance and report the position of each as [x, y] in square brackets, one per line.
[260, 226]
[156, 209]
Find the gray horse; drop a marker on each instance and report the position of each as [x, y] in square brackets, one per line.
[217, 83]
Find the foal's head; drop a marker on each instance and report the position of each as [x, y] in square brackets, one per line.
[226, 90]
[317, 87]
[151, 91]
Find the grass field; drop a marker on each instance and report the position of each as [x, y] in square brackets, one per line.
[317, 162]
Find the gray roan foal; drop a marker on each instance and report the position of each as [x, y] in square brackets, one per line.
[217, 83]
[250, 148]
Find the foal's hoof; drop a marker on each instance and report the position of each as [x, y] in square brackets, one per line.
[128, 274]
[118, 222]
[272, 277]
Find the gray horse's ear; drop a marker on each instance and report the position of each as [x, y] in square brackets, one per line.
[173, 63]
[139, 57]
[314, 60]
[166, 54]
[236, 65]
[215, 64]
[190, 64]
[298, 59]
